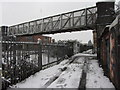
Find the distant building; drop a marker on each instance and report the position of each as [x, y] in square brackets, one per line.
[74, 43]
[34, 38]
[76, 47]
[90, 43]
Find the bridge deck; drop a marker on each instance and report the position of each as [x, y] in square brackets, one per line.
[78, 20]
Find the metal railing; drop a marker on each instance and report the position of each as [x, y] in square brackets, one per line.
[22, 59]
[76, 20]
[19, 60]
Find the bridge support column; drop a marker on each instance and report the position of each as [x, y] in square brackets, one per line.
[105, 11]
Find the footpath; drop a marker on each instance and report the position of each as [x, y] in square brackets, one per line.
[80, 71]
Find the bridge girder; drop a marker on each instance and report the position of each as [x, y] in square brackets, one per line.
[66, 22]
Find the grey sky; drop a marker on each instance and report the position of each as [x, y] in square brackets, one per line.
[18, 12]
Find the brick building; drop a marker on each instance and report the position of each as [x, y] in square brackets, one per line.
[34, 38]
[110, 51]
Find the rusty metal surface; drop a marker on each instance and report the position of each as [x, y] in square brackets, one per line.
[112, 34]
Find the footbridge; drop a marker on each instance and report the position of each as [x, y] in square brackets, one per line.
[78, 20]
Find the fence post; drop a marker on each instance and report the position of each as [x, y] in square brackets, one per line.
[14, 62]
[57, 53]
[48, 54]
[63, 52]
[40, 55]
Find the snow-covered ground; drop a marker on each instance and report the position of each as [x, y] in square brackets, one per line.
[95, 76]
[88, 51]
[85, 55]
[40, 78]
[70, 77]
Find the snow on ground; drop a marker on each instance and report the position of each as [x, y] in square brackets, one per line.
[40, 78]
[96, 78]
[88, 51]
[70, 78]
[85, 55]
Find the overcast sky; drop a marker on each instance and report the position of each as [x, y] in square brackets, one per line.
[17, 12]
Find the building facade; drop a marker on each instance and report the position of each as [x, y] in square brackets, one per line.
[34, 38]
[110, 51]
